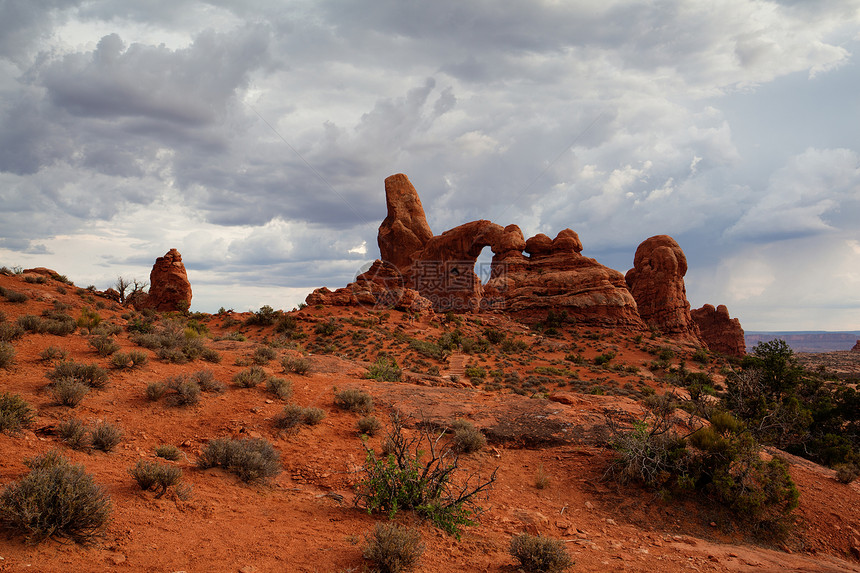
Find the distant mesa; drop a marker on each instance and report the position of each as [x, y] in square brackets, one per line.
[169, 287]
[528, 279]
[719, 331]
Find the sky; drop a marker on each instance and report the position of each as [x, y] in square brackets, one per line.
[254, 136]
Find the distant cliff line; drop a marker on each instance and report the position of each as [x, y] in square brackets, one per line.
[807, 340]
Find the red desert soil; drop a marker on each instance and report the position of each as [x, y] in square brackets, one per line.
[304, 519]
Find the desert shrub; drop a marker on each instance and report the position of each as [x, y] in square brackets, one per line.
[542, 479]
[263, 355]
[353, 400]
[155, 476]
[52, 353]
[493, 335]
[428, 349]
[368, 425]
[74, 434]
[88, 319]
[185, 392]
[313, 415]
[155, 390]
[210, 355]
[31, 323]
[414, 474]
[7, 354]
[385, 369]
[10, 331]
[13, 296]
[69, 391]
[266, 316]
[251, 459]
[168, 452]
[207, 382]
[280, 387]
[605, 358]
[92, 375]
[55, 499]
[466, 438]
[326, 328]
[392, 548]
[105, 436]
[250, 377]
[15, 413]
[720, 462]
[121, 360]
[846, 473]
[296, 364]
[539, 554]
[475, 372]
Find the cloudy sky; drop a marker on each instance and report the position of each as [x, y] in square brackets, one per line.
[254, 136]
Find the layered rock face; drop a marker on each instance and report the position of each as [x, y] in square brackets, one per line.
[719, 331]
[856, 347]
[656, 282]
[556, 277]
[169, 288]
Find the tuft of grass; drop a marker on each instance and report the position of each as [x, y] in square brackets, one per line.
[207, 382]
[55, 499]
[69, 392]
[539, 554]
[105, 436]
[15, 413]
[92, 375]
[353, 400]
[250, 377]
[10, 331]
[294, 415]
[263, 355]
[542, 479]
[251, 459]
[155, 390]
[104, 345]
[392, 548]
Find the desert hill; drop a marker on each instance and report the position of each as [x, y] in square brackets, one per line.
[540, 398]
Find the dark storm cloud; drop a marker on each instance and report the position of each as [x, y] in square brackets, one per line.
[23, 23]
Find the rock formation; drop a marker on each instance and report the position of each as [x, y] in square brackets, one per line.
[556, 277]
[856, 347]
[719, 331]
[404, 230]
[169, 288]
[656, 281]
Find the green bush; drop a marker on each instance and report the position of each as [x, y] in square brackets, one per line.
[56, 499]
[105, 436]
[539, 554]
[7, 354]
[88, 319]
[69, 392]
[155, 476]
[414, 474]
[392, 548]
[15, 413]
[168, 452]
[466, 438]
[385, 369]
[74, 434]
[326, 328]
[297, 365]
[250, 377]
[251, 459]
[353, 400]
[280, 387]
[266, 316]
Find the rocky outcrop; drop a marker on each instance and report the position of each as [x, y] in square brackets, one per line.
[404, 230]
[169, 288]
[656, 282]
[380, 287]
[556, 277]
[856, 347]
[719, 331]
